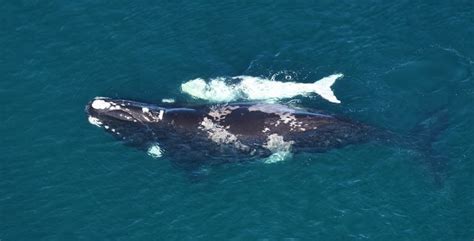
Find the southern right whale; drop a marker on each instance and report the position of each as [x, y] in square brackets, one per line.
[256, 88]
[210, 134]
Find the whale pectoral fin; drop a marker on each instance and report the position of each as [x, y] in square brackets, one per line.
[198, 174]
[194, 164]
[193, 171]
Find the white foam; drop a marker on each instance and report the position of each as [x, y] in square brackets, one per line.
[255, 88]
[278, 157]
[100, 104]
[155, 151]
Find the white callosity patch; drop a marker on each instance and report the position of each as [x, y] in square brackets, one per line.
[281, 149]
[100, 104]
[256, 88]
[126, 116]
[115, 107]
[220, 135]
[104, 104]
[94, 121]
[151, 116]
[155, 151]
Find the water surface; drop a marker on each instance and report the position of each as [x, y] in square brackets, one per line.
[63, 179]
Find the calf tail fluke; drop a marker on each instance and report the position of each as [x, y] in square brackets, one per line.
[323, 87]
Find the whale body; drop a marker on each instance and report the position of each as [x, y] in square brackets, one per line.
[223, 132]
[193, 137]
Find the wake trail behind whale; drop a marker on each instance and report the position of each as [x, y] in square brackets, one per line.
[222, 89]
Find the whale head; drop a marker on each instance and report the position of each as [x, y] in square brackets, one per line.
[109, 110]
[125, 118]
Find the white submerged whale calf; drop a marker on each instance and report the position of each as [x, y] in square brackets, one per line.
[255, 88]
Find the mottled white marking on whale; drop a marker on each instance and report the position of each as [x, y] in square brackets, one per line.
[220, 135]
[276, 143]
[281, 149]
[218, 113]
[286, 114]
[115, 107]
[287, 118]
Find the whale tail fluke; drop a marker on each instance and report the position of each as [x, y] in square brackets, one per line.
[427, 135]
[424, 140]
[323, 87]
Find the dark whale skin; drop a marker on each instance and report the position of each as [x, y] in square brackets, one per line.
[224, 132]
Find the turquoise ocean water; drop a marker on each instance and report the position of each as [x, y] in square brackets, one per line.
[63, 179]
